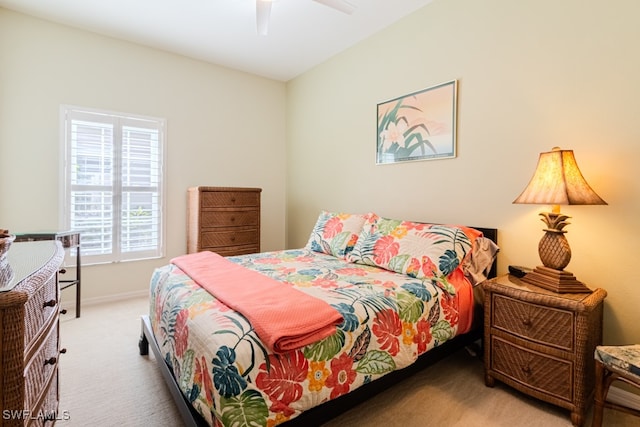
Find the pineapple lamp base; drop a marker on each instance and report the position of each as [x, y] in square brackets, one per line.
[555, 255]
[558, 281]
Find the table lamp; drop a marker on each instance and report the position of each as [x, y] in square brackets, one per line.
[557, 181]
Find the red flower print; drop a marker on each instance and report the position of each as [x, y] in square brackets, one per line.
[415, 225]
[182, 332]
[332, 228]
[283, 383]
[342, 375]
[387, 327]
[449, 306]
[278, 407]
[325, 283]
[389, 284]
[385, 249]
[203, 379]
[423, 335]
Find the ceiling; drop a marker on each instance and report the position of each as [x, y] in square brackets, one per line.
[302, 33]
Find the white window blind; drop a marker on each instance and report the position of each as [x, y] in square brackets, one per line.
[113, 192]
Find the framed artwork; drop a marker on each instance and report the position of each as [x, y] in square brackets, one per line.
[418, 126]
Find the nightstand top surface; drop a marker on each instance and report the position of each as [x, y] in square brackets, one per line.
[513, 284]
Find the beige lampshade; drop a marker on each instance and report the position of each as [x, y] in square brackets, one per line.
[558, 181]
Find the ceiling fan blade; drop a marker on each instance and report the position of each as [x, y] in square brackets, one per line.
[263, 12]
[341, 5]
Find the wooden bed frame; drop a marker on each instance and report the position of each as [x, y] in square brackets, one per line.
[328, 410]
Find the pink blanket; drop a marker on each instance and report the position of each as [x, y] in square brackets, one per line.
[283, 317]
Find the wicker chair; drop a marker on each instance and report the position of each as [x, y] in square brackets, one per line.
[613, 363]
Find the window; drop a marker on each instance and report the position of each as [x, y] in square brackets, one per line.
[113, 190]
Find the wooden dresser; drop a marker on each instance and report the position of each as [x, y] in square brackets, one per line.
[542, 343]
[225, 220]
[29, 336]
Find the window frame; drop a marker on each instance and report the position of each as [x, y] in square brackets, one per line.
[119, 120]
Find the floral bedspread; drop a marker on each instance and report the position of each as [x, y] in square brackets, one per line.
[230, 377]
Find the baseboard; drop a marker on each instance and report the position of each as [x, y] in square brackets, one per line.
[622, 397]
[70, 303]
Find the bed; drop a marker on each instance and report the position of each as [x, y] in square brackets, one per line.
[398, 295]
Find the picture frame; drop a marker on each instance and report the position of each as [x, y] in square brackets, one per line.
[418, 126]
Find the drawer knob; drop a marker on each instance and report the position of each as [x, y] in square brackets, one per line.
[50, 361]
[63, 311]
[233, 200]
[63, 271]
[50, 303]
[526, 370]
[526, 322]
[63, 350]
[233, 238]
[233, 218]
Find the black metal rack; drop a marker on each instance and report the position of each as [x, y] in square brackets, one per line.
[70, 240]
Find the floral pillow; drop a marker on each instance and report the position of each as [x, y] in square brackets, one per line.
[336, 233]
[415, 249]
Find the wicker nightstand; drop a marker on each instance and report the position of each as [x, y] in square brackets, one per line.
[542, 343]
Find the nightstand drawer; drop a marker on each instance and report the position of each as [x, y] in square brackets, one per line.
[545, 325]
[531, 369]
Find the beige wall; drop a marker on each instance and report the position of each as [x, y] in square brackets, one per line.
[532, 75]
[223, 128]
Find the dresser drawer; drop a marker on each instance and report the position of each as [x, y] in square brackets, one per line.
[531, 369]
[39, 308]
[42, 366]
[48, 411]
[544, 325]
[227, 198]
[232, 218]
[214, 239]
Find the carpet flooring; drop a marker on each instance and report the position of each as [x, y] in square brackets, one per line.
[105, 382]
